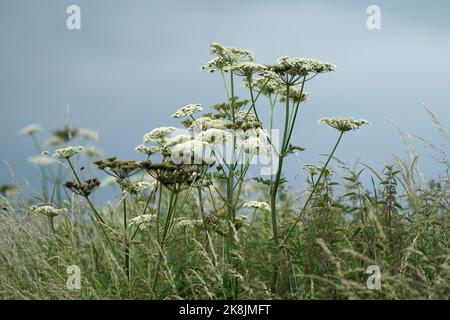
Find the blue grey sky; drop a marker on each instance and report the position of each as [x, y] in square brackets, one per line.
[134, 63]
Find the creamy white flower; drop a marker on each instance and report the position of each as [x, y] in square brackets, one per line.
[187, 223]
[138, 187]
[215, 136]
[158, 134]
[301, 66]
[245, 115]
[257, 205]
[187, 111]
[143, 185]
[148, 150]
[189, 152]
[256, 133]
[246, 68]
[87, 134]
[205, 123]
[93, 152]
[142, 221]
[181, 138]
[226, 57]
[42, 160]
[54, 141]
[47, 210]
[255, 145]
[344, 124]
[30, 129]
[67, 152]
[189, 148]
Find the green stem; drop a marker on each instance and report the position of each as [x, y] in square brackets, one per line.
[314, 188]
[172, 205]
[274, 191]
[94, 210]
[294, 117]
[51, 222]
[127, 248]
[200, 200]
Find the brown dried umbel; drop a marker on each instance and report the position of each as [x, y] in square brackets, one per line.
[176, 177]
[66, 134]
[84, 189]
[120, 169]
[6, 189]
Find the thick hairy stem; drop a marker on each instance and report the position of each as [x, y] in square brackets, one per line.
[274, 191]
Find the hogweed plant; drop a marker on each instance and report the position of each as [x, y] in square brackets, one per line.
[212, 155]
[190, 219]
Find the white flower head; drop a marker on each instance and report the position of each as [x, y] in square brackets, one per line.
[142, 221]
[54, 141]
[181, 222]
[42, 160]
[187, 111]
[257, 205]
[93, 152]
[48, 210]
[86, 133]
[301, 66]
[225, 57]
[344, 124]
[67, 152]
[158, 134]
[181, 138]
[246, 68]
[189, 152]
[143, 185]
[259, 133]
[255, 145]
[148, 150]
[214, 136]
[30, 129]
[205, 123]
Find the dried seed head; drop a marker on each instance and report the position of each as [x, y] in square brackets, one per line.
[84, 189]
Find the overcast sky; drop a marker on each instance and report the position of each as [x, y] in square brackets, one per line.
[133, 63]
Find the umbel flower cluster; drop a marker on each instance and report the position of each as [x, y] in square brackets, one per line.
[344, 124]
[48, 210]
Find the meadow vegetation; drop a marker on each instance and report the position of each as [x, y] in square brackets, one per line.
[189, 219]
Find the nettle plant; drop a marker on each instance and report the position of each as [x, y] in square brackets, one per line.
[209, 156]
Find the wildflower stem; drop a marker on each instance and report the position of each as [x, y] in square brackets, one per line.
[158, 213]
[43, 171]
[51, 222]
[127, 248]
[96, 214]
[314, 188]
[200, 200]
[172, 205]
[294, 117]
